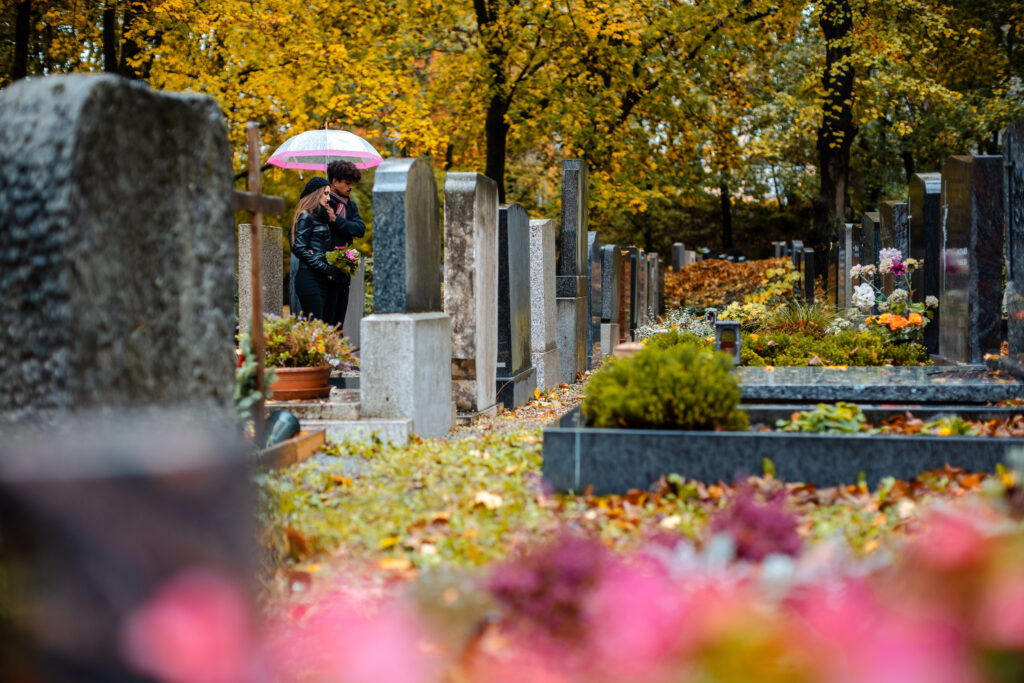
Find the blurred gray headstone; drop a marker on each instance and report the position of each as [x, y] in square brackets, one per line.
[273, 274]
[516, 378]
[925, 209]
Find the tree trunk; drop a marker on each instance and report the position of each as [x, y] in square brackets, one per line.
[22, 32]
[837, 131]
[496, 128]
[110, 39]
[726, 214]
[129, 48]
[908, 164]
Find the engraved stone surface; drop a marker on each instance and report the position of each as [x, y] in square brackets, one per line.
[1013, 151]
[845, 256]
[925, 209]
[871, 241]
[895, 234]
[635, 303]
[575, 221]
[543, 342]
[273, 273]
[406, 238]
[117, 247]
[625, 297]
[611, 283]
[972, 258]
[356, 304]
[516, 378]
[471, 286]
[593, 293]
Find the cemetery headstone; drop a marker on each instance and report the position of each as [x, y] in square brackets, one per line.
[406, 352]
[678, 256]
[516, 377]
[471, 288]
[798, 254]
[972, 258]
[871, 242]
[925, 208]
[845, 257]
[626, 298]
[809, 275]
[543, 343]
[356, 304]
[635, 304]
[594, 289]
[122, 311]
[611, 295]
[652, 288]
[273, 274]
[832, 288]
[1013, 151]
[573, 310]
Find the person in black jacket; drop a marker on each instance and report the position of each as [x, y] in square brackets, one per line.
[311, 240]
[347, 225]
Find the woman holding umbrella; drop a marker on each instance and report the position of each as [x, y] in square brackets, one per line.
[311, 240]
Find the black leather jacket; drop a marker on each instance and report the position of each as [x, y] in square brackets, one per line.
[313, 234]
[345, 229]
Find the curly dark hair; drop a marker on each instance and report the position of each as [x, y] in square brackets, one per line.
[343, 170]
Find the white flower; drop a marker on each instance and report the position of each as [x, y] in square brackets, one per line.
[867, 272]
[855, 271]
[912, 263]
[890, 255]
[883, 306]
[931, 302]
[898, 295]
[863, 297]
[885, 266]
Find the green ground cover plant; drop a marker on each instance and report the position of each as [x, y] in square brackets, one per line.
[847, 347]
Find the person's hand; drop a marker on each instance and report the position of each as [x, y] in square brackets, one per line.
[330, 214]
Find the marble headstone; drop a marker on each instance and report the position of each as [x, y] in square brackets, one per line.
[925, 209]
[273, 273]
[516, 378]
[117, 248]
[356, 304]
[972, 258]
[406, 238]
[611, 285]
[573, 308]
[543, 342]
[594, 292]
[895, 234]
[471, 287]
[1013, 150]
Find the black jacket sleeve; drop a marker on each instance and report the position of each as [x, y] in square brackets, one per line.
[305, 242]
[351, 226]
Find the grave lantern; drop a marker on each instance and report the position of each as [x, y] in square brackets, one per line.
[727, 338]
[711, 316]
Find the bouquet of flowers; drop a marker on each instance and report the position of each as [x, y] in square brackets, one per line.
[344, 258]
[899, 318]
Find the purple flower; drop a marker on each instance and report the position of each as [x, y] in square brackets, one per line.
[759, 528]
[898, 268]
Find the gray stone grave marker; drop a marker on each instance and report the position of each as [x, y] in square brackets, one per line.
[972, 258]
[1013, 151]
[516, 378]
[678, 256]
[808, 275]
[925, 209]
[543, 342]
[594, 293]
[611, 295]
[356, 304]
[125, 310]
[406, 351]
[626, 297]
[573, 310]
[471, 288]
[273, 273]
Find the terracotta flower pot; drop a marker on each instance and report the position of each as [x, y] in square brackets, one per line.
[294, 383]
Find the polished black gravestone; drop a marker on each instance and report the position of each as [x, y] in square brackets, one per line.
[594, 293]
[516, 377]
[97, 516]
[895, 222]
[634, 284]
[871, 242]
[809, 275]
[972, 258]
[925, 207]
[1013, 151]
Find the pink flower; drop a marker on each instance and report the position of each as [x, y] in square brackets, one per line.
[1000, 619]
[950, 541]
[351, 254]
[898, 268]
[194, 629]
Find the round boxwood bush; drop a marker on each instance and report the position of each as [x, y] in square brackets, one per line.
[683, 386]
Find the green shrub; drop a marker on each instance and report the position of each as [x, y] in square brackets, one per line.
[845, 348]
[666, 340]
[841, 418]
[683, 386]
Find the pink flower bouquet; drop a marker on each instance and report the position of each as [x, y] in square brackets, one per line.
[347, 259]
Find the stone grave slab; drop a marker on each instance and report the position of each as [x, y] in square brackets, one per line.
[678, 256]
[273, 274]
[543, 322]
[626, 298]
[572, 307]
[970, 304]
[925, 217]
[594, 294]
[809, 275]
[871, 241]
[471, 288]
[356, 304]
[611, 288]
[1013, 151]
[121, 311]
[516, 378]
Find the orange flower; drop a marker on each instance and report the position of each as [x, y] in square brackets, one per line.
[916, 319]
[884, 318]
[897, 322]
[870, 319]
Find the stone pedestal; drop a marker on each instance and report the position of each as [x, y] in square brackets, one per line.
[117, 248]
[611, 284]
[573, 321]
[471, 287]
[972, 258]
[609, 338]
[544, 351]
[405, 370]
[273, 273]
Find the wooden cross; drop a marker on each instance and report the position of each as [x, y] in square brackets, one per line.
[257, 204]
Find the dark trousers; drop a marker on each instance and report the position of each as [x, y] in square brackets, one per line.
[337, 301]
[313, 293]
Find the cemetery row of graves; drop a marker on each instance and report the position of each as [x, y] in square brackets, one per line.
[668, 526]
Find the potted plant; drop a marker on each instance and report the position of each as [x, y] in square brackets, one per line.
[303, 351]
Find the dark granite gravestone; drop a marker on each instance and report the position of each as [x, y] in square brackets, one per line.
[625, 297]
[678, 256]
[798, 253]
[516, 376]
[634, 288]
[471, 287]
[117, 248]
[809, 275]
[832, 274]
[1013, 151]
[871, 242]
[895, 234]
[406, 238]
[844, 285]
[573, 309]
[972, 258]
[594, 294]
[611, 294]
[925, 220]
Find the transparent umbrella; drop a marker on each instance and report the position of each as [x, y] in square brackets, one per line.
[314, 149]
